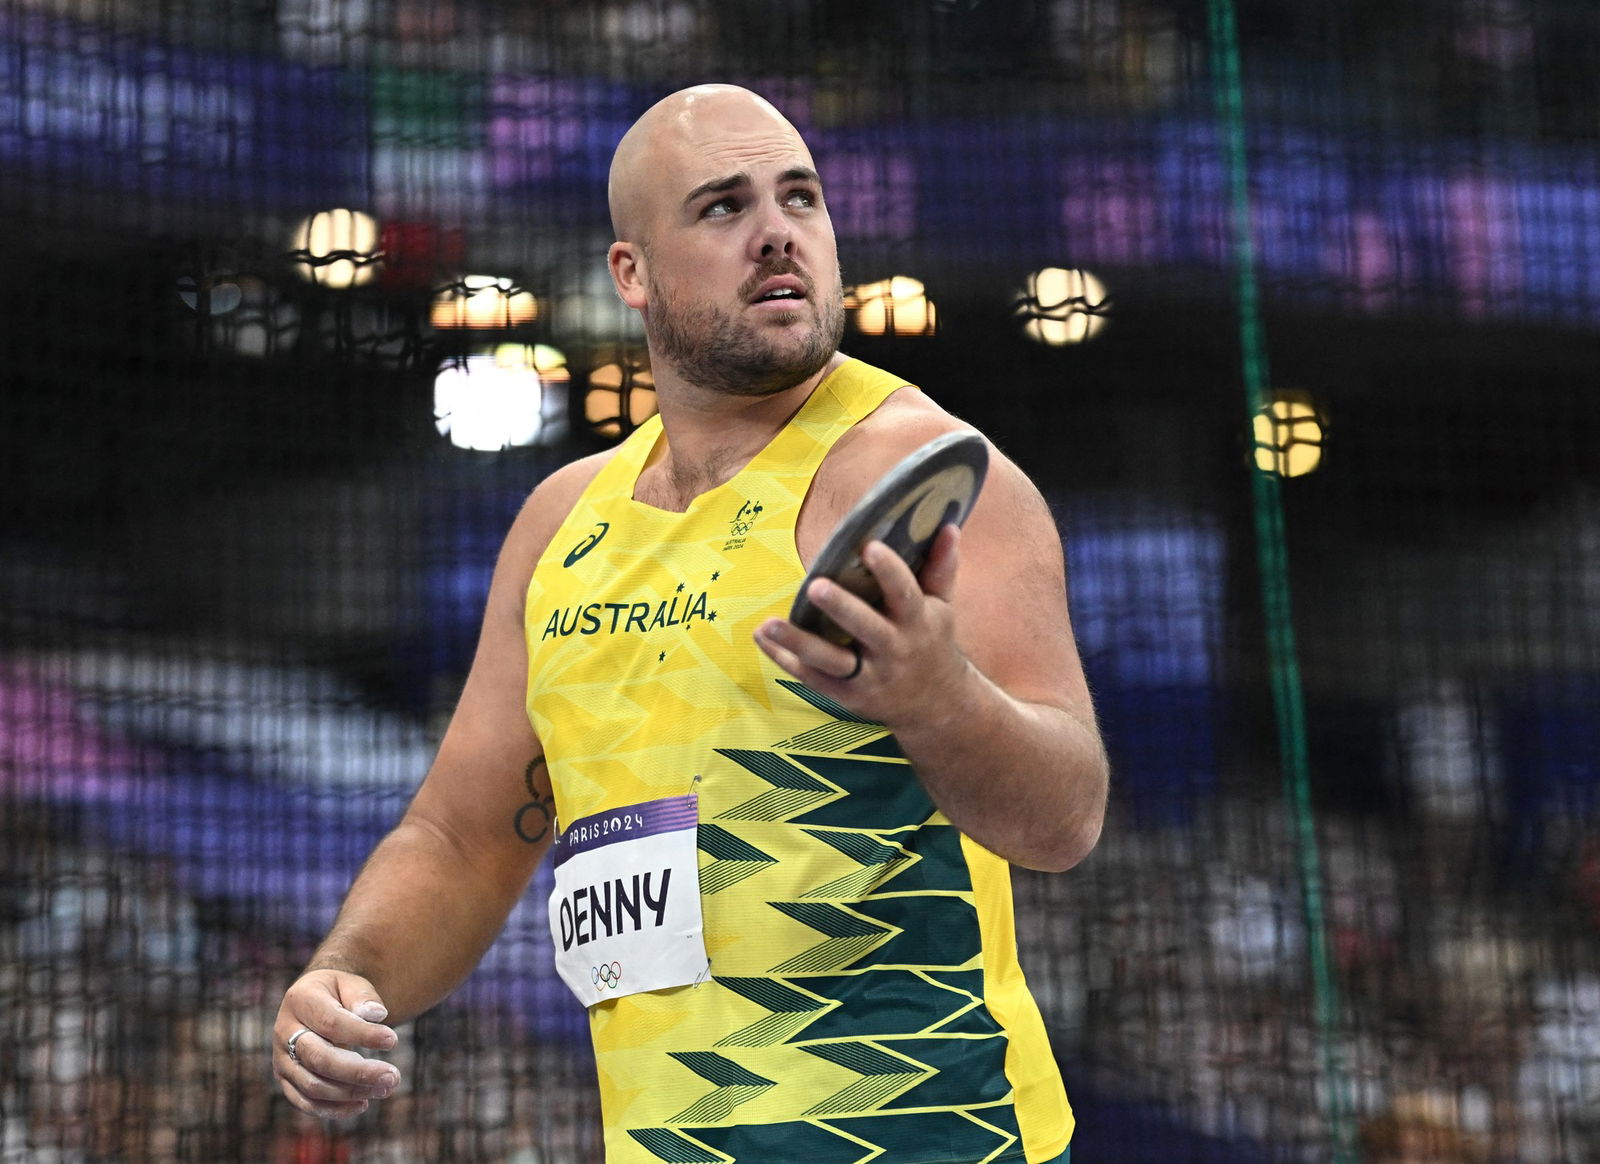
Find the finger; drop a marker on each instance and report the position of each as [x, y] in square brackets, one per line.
[324, 1098]
[348, 1073]
[852, 614]
[901, 590]
[938, 577]
[362, 1001]
[317, 1089]
[804, 655]
[359, 1026]
[322, 1110]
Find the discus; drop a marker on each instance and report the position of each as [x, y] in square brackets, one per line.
[935, 486]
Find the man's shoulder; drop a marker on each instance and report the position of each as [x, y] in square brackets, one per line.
[903, 423]
[552, 500]
[562, 488]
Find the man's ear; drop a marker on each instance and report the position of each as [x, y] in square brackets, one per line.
[626, 261]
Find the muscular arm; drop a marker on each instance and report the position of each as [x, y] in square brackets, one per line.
[973, 668]
[437, 890]
[1004, 736]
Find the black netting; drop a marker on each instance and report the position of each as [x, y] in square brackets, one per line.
[300, 299]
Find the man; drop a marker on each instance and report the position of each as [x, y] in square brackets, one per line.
[782, 880]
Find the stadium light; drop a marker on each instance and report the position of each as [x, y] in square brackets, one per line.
[1062, 306]
[1288, 434]
[336, 248]
[898, 305]
[621, 397]
[510, 397]
[483, 301]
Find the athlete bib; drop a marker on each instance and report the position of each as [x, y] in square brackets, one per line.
[625, 913]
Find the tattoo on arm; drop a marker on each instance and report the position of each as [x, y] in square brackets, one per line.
[533, 819]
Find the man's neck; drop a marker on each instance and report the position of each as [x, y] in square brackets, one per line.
[711, 436]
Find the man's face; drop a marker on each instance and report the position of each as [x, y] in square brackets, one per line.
[741, 268]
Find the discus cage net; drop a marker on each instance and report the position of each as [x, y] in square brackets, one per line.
[1291, 310]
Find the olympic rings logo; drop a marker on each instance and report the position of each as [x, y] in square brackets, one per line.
[607, 974]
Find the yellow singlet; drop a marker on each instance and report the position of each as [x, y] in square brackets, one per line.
[864, 999]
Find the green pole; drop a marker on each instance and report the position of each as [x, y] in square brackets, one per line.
[1288, 695]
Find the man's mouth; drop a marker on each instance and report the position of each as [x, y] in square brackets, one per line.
[780, 289]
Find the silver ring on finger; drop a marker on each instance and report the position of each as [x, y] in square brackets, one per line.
[292, 1040]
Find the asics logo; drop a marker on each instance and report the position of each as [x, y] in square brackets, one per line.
[587, 543]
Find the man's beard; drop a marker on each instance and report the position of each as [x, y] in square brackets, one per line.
[716, 351]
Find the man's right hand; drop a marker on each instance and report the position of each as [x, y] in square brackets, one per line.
[341, 1015]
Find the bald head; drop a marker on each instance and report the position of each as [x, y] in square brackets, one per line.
[692, 123]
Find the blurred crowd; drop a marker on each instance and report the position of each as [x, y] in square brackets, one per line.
[137, 1023]
[1468, 1013]
[1509, 67]
[1174, 965]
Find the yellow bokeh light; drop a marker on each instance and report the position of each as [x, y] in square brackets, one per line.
[550, 363]
[1288, 435]
[336, 248]
[898, 305]
[483, 301]
[618, 390]
[1062, 306]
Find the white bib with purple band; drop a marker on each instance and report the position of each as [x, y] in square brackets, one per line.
[625, 914]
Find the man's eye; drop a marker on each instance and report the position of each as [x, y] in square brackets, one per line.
[802, 198]
[720, 207]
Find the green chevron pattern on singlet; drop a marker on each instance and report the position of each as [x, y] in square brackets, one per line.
[732, 859]
[847, 937]
[883, 1075]
[843, 730]
[923, 1001]
[826, 1009]
[734, 1085]
[830, 707]
[928, 931]
[891, 938]
[666, 1144]
[918, 931]
[793, 1007]
[871, 792]
[989, 1135]
[794, 789]
[885, 746]
[953, 1065]
[879, 863]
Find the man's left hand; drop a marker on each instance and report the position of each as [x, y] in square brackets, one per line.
[910, 664]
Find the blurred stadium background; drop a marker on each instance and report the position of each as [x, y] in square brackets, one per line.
[301, 297]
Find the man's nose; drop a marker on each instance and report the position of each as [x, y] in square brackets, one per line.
[774, 235]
